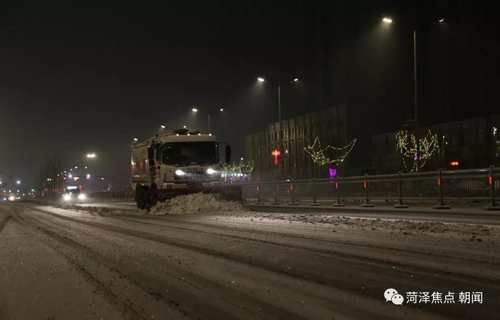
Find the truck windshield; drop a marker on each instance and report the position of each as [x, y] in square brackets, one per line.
[186, 153]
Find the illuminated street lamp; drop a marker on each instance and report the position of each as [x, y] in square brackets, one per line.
[18, 182]
[208, 117]
[90, 155]
[417, 156]
[280, 133]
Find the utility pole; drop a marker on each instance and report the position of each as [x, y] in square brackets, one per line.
[280, 131]
[417, 136]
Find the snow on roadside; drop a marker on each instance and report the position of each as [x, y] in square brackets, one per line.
[196, 203]
[213, 204]
[471, 232]
[184, 204]
[101, 211]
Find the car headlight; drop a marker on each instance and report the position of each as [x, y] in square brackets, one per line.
[81, 196]
[179, 172]
[12, 198]
[67, 197]
[210, 171]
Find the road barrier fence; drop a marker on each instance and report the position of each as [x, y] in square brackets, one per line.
[442, 188]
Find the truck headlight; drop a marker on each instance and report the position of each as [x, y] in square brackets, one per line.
[179, 172]
[210, 171]
[67, 197]
[81, 196]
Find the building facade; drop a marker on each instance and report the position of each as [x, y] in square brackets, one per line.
[467, 144]
[329, 125]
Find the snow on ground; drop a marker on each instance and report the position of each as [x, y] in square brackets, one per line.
[101, 211]
[213, 204]
[185, 204]
[470, 232]
[196, 203]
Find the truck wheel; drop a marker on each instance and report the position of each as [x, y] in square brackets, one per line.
[139, 197]
[146, 198]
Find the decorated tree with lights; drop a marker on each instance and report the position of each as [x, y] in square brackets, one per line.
[406, 144]
[238, 170]
[329, 155]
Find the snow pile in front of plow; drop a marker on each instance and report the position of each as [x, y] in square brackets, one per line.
[196, 203]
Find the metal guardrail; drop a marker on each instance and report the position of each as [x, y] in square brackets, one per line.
[440, 187]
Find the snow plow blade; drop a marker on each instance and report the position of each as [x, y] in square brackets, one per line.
[230, 193]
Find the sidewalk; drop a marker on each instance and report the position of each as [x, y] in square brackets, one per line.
[381, 207]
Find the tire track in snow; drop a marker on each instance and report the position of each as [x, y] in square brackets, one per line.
[4, 222]
[298, 237]
[346, 257]
[125, 297]
[185, 303]
[363, 259]
[305, 274]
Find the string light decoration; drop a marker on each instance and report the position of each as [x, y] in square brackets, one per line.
[406, 144]
[240, 169]
[318, 154]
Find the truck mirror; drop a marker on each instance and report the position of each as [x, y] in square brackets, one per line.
[228, 154]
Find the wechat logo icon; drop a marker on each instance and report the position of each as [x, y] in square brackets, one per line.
[393, 296]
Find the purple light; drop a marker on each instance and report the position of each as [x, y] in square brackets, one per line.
[333, 173]
[419, 157]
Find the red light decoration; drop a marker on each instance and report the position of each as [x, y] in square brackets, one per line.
[276, 153]
[454, 163]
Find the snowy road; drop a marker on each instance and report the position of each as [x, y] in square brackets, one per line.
[74, 264]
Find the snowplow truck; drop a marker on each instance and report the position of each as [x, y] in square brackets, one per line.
[179, 163]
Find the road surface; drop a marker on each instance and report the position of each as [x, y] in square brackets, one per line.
[72, 264]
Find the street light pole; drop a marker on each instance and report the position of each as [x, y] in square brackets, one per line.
[208, 117]
[417, 137]
[209, 123]
[280, 133]
[280, 129]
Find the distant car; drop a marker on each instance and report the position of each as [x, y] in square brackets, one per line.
[73, 195]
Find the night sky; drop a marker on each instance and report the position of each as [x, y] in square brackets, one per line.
[89, 79]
